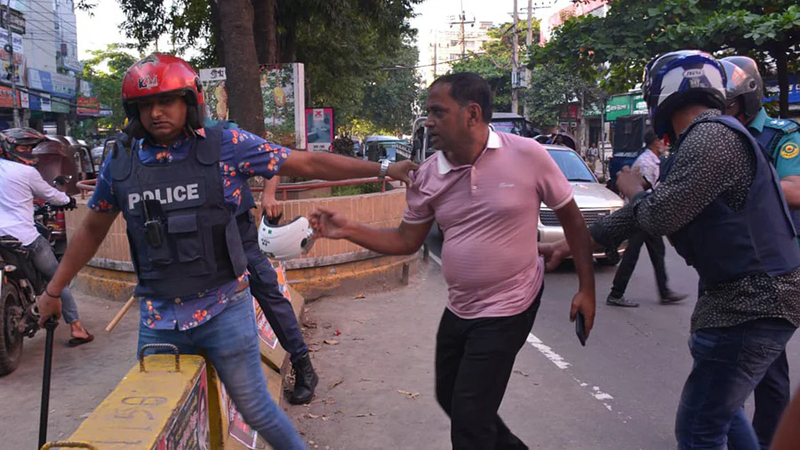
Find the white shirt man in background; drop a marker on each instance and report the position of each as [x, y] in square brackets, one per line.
[20, 182]
[649, 165]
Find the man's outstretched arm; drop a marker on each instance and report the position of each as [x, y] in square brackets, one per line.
[403, 240]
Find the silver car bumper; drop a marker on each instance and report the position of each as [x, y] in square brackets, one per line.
[550, 231]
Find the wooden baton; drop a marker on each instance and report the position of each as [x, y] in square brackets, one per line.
[121, 313]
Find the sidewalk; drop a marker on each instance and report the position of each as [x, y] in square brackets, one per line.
[377, 376]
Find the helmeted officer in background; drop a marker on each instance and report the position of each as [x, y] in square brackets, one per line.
[265, 287]
[179, 186]
[720, 203]
[779, 138]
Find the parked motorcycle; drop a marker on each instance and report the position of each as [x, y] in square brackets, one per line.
[21, 283]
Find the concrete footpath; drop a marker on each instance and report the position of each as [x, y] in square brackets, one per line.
[81, 376]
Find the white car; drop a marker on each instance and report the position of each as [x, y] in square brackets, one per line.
[593, 199]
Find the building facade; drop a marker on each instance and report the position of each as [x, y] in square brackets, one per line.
[45, 64]
[448, 45]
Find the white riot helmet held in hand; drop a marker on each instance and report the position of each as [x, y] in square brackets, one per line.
[282, 242]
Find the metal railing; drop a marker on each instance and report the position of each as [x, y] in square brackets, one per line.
[89, 185]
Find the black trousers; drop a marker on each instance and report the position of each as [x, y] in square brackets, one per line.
[656, 249]
[474, 359]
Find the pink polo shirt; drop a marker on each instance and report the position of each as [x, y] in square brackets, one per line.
[489, 213]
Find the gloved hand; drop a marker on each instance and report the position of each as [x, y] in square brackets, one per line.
[68, 207]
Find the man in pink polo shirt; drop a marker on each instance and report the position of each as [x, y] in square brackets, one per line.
[484, 190]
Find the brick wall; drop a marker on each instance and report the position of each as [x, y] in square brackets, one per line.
[383, 209]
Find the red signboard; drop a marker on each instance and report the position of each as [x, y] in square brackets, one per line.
[7, 97]
[88, 106]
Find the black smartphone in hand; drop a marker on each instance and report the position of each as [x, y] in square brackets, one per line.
[580, 327]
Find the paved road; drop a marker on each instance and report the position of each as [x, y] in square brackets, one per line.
[618, 392]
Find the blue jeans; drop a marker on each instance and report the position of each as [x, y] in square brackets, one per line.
[230, 342]
[46, 263]
[771, 395]
[264, 285]
[728, 364]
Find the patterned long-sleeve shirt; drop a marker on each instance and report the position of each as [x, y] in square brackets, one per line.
[713, 161]
[242, 155]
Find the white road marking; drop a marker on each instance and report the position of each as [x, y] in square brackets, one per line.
[548, 352]
[560, 362]
[435, 259]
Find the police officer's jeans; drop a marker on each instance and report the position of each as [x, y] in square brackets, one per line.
[771, 396]
[264, 285]
[230, 342]
[728, 364]
[46, 263]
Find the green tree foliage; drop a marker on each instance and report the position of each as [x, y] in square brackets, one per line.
[390, 96]
[613, 50]
[493, 62]
[756, 27]
[553, 86]
[107, 83]
[342, 43]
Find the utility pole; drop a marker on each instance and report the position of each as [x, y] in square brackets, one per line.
[515, 64]
[11, 68]
[528, 42]
[462, 20]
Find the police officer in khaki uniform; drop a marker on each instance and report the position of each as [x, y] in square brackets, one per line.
[779, 138]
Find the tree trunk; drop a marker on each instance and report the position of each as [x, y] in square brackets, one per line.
[783, 80]
[217, 28]
[264, 31]
[288, 49]
[241, 63]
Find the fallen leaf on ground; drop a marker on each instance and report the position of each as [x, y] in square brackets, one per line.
[360, 296]
[312, 416]
[331, 341]
[519, 372]
[335, 383]
[364, 414]
[411, 395]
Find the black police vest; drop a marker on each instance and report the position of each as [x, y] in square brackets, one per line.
[200, 247]
[768, 139]
[725, 245]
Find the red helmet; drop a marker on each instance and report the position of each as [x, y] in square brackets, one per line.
[161, 74]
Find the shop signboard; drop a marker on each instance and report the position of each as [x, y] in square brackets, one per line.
[63, 85]
[773, 90]
[40, 80]
[618, 105]
[88, 106]
[19, 57]
[282, 94]
[319, 129]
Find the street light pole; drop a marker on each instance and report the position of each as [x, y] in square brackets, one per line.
[11, 68]
[515, 64]
[528, 42]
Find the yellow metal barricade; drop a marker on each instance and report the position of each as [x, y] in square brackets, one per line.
[160, 404]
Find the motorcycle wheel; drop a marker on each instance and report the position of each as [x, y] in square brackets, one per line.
[11, 313]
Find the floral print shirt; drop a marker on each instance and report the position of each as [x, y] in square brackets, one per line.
[242, 155]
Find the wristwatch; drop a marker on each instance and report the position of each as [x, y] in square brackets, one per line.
[384, 168]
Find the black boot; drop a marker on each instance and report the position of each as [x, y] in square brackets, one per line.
[305, 380]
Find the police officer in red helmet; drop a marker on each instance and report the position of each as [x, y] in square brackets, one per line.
[178, 185]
